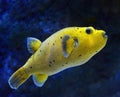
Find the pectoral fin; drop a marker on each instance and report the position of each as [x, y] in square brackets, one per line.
[68, 45]
[33, 44]
[39, 79]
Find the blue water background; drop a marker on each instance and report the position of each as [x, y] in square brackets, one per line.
[19, 19]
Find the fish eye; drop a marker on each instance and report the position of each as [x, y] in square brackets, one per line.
[88, 30]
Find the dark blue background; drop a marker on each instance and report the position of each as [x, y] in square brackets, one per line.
[19, 19]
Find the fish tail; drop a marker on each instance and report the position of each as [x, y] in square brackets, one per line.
[18, 78]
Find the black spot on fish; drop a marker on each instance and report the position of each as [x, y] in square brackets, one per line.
[31, 67]
[53, 44]
[50, 62]
[80, 55]
[61, 37]
[53, 60]
[66, 63]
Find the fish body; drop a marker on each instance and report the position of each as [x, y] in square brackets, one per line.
[69, 47]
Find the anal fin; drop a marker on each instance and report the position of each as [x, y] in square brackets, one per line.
[39, 79]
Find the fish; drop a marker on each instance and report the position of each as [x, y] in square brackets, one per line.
[68, 47]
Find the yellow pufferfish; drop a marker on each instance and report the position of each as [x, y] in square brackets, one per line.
[69, 47]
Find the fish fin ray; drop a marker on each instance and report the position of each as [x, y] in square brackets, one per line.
[18, 78]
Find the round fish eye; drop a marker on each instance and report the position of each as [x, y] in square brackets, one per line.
[88, 31]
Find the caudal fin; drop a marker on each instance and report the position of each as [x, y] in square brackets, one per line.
[18, 78]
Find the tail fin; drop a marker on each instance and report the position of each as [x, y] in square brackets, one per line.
[18, 78]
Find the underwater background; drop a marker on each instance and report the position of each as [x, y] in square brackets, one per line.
[19, 19]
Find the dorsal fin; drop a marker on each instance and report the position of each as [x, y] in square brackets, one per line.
[33, 44]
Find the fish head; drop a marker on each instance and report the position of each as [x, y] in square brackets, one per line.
[91, 40]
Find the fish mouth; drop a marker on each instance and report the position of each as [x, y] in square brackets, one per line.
[104, 35]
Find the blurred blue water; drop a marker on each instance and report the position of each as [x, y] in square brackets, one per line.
[100, 77]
